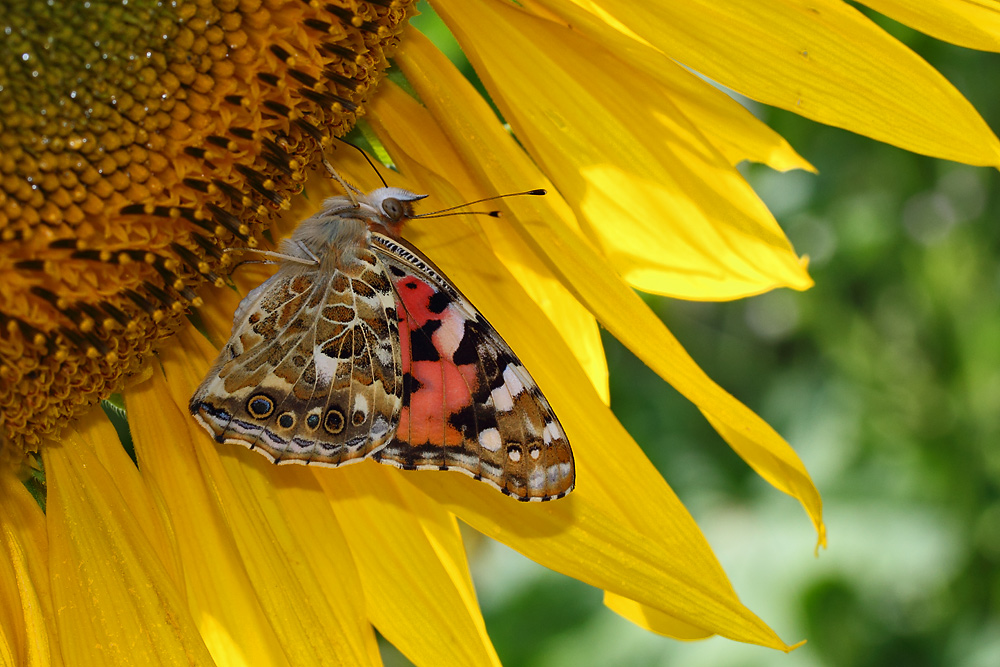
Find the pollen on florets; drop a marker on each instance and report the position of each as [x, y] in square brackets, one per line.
[138, 140]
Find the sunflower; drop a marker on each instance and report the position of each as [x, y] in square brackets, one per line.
[140, 140]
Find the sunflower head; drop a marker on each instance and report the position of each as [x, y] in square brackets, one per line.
[138, 141]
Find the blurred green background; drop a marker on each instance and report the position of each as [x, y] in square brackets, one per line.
[885, 378]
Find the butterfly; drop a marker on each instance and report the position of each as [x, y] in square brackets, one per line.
[360, 347]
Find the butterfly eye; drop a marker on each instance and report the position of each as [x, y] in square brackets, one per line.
[260, 406]
[334, 421]
[393, 208]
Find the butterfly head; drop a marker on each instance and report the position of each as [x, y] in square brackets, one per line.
[393, 205]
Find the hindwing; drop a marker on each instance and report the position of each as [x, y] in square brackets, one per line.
[311, 372]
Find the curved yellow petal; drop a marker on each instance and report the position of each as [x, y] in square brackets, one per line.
[115, 602]
[27, 630]
[669, 211]
[780, 466]
[822, 59]
[393, 110]
[974, 24]
[546, 223]
[653, 619]
[727, 124]
[735, 132]
[412, 563]
[13, 620]
[220, 594]
[294, 553]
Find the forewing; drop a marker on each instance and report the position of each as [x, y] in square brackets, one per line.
[468, 403]
[311, 373]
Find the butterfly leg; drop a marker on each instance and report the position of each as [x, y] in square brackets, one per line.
[349, 189]
[312, 260]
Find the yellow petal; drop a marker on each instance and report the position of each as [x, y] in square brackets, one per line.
[290, 543]
[116, 602]
[413, 567]
[13, 621]
[221, 597]
[653, 619]
[735, 132]
[669, 211]
[780, 466]
[822, 59]
[472, 129]
[726, 123]
[974, 24]
[393, 110]
[27, 630]
[314, 551]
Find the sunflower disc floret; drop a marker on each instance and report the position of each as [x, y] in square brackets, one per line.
[138, 140]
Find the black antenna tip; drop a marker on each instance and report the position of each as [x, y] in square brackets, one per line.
[494, 214]
[539, 191]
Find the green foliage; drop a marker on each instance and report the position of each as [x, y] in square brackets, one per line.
[114, 408]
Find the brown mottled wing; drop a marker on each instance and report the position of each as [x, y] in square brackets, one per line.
[311, 373]
[468, 404]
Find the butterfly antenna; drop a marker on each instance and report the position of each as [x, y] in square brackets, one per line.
[367, 159]
[493, 214]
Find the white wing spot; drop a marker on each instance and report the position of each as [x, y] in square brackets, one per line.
[551, 432]
[380, 429]
[449, 336]
[558, 472]
[514, 455]
[361, 404]
[490, 439]
[512, 381]
[384, 355]
[501, 399]
[326, 367]
[536, 480]
[490, 469]
[467, 461]
[535, 452]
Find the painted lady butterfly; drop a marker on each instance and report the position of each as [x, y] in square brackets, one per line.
[360, 347]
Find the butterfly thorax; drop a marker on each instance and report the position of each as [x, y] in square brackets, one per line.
[338, 238]
[339, 234]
